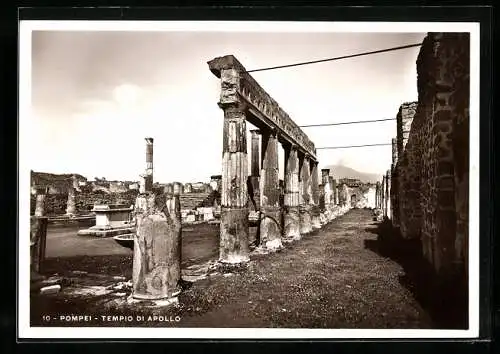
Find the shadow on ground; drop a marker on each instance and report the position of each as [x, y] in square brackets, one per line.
[445, 299]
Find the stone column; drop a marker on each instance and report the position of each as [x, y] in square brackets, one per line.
[270, 224]
[383, 195]
[71, 204]
[325, 179]
[38, 242]
[388, 194]
[394, 184]
[169, 188]
[255, 168]
[291, 199]
[41, 194]
[157, 246]
[234, 195]
[305, 197]
[315, 211]
[148, 178]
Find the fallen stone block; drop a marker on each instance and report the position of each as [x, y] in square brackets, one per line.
[52, 289]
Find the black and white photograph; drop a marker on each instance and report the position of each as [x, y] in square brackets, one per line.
[197, 179]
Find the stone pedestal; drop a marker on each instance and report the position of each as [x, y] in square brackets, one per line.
[157, 247]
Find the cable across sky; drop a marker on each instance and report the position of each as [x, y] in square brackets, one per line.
[351, 146]
[337, 58]
[343, 123]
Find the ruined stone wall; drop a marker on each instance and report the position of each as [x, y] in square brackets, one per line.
[433, 163]
[407, 179]
[56, 204]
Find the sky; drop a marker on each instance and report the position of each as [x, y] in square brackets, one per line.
[96, 96]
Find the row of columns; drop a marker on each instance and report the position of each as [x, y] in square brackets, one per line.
[300, 213]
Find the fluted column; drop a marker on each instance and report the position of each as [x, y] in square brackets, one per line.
[270, 225]
[305, 197]
[291, 199]
[315, 211]
[255, 169]
[234, 195]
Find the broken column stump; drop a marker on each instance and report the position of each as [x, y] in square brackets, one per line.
[38, 243]
[157, 247]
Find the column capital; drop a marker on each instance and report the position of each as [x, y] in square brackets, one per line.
[238, 106]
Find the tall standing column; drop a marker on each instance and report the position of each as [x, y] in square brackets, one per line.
[71, 204]
[291, 199]
[315, 211]
[270, 224]
[148, 179]
[157, 246]
[234, 195]
[255, 168]
[304, 203]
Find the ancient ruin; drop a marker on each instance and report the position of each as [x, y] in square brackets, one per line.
[243, 99]
[429, 185]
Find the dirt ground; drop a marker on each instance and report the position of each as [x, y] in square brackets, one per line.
[334, 278]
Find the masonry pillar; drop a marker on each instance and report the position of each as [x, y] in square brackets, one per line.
[291, 199]
[41, 194]
[305, 197]
[71, 204]
[255, 168]
[270, 224]
[157, 246]
[315, 211]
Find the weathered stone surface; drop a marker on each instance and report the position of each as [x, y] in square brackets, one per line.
[234, 246]
[71, 204]
[431, 190]
[237, 85]
[52, 289]
[270, 225]
[38, 242]
[157, 247]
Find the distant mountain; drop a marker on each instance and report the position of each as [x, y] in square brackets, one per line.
[340, 171]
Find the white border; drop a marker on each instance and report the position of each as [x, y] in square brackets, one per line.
[25, 29]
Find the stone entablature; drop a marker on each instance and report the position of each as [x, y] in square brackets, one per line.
[238, 83]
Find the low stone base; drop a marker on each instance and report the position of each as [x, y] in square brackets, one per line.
[106, 232]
